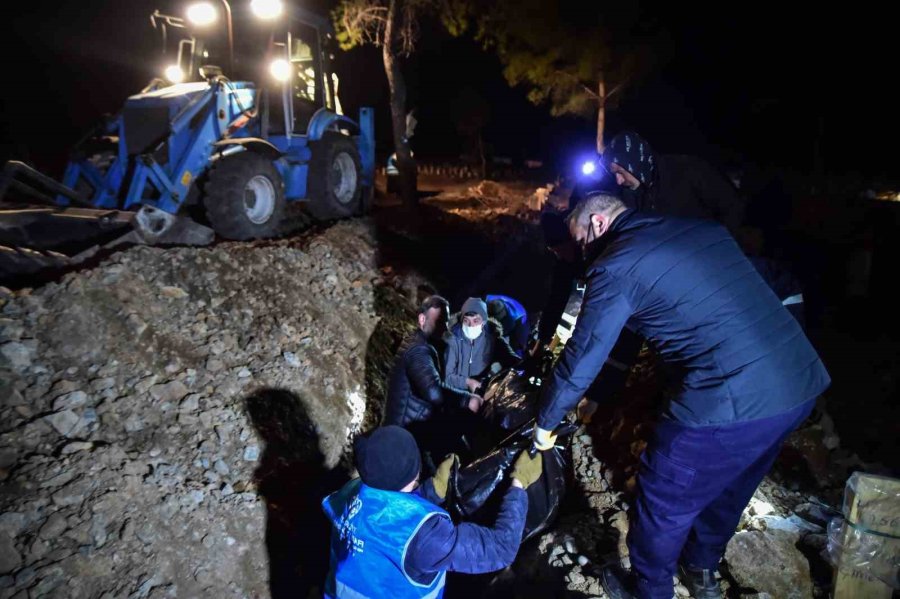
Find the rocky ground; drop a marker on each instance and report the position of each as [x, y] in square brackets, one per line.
[777, 553]
[171, 418]
[779, 550]
[153, 406]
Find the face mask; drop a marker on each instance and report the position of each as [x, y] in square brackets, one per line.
[472, 333]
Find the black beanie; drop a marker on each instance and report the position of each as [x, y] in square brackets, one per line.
[388, 459]
[497, 309]
[632, 152]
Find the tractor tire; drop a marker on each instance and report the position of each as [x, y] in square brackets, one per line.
[244, 197]
[335, 178]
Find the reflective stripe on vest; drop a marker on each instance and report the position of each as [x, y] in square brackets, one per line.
[794, 299]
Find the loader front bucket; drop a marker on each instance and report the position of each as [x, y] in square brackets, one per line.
[42, 239]
[47, 225]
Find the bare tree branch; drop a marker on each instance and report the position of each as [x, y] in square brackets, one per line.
[622, 85]
[590, 92]
[364, 21]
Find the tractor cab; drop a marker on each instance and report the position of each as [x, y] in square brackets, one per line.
[287, 56]
[243, 119]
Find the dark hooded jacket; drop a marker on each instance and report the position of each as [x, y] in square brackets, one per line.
[676, 185]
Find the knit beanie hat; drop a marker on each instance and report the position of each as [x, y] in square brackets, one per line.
[388, 459]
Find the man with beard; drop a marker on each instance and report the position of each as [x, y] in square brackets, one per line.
[418, 398]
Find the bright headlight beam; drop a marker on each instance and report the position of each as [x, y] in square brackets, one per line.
[201, 14]
[267, 9]
[280, 69]
[174, 73]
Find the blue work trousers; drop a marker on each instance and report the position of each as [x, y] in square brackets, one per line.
[693, 484]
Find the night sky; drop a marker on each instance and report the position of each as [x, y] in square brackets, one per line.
[743, 82]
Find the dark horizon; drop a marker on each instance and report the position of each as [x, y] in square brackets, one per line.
[753, 85]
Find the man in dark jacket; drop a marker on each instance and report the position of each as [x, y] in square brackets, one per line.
[675, 185]
[417, 395]
[749, 376]
[474, 346]
[391, 539]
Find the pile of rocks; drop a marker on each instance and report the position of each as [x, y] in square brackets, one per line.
[142, 399]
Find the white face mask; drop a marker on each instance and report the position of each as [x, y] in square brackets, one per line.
[472, 333]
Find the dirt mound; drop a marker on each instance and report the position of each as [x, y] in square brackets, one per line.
[171, 418]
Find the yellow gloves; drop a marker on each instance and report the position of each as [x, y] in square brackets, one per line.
[441, 478]
[527, 469]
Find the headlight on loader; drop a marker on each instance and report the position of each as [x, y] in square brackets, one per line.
[201, 14]
[280, 69]
[267, 9]
[174, 73]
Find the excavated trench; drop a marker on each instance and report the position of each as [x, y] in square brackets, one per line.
[173, 417]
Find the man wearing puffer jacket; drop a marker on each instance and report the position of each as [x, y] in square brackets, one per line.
[418, 398]
[748, 377]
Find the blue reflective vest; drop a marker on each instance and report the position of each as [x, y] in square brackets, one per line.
[371, 530]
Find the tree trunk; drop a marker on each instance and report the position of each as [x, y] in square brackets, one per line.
[601, 114]
[405, 163]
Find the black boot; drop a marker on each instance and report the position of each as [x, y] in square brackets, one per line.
[701, 583]
[617, 583]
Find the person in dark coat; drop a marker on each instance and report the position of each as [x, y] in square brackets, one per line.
[475, 344]
[672, 184]
[390, 537]
[689, 186]
[748, 377]
[418, 398]
[675, 185]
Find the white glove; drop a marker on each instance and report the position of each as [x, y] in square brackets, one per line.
[544, 439]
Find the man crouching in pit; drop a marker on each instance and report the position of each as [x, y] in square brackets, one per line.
[390, 538]
[418, 398]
